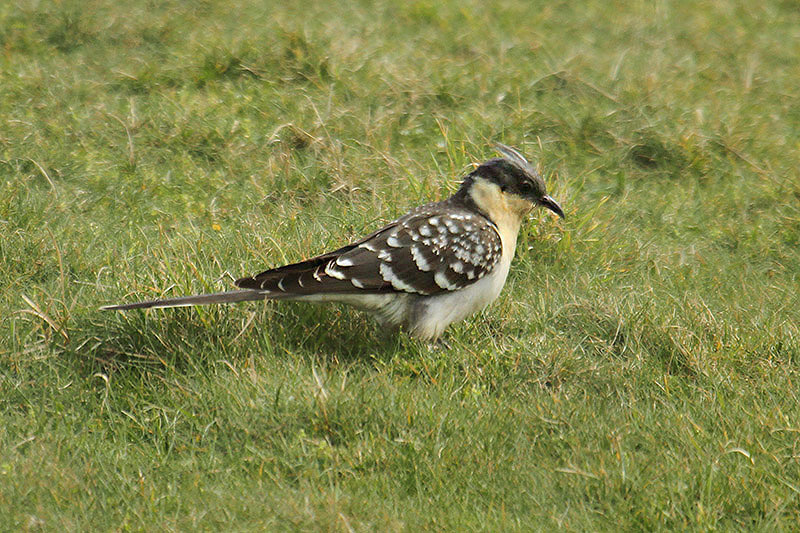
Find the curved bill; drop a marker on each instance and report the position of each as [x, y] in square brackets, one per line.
[552, 205]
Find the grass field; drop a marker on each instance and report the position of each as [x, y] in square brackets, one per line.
[639, 372]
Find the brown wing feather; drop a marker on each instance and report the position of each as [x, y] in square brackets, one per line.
[305, 274]
[431, 250]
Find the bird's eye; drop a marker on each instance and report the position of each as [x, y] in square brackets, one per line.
[525, 187]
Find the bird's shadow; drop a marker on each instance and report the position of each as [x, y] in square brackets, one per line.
[185, 337]
[335, 333]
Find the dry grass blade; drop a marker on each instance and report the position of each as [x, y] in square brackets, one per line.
[35, 311]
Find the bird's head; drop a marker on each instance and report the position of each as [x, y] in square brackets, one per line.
[510, 183]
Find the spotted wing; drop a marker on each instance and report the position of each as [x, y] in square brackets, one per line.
[426, 252]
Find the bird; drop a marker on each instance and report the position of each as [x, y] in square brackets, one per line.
[436, 265]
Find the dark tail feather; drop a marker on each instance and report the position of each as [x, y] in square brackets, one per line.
[198, 299]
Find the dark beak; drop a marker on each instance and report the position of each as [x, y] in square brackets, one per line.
[552, 205]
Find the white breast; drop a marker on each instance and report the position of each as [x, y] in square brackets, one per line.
[437, 312]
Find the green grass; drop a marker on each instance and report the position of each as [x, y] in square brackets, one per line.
[640, 370]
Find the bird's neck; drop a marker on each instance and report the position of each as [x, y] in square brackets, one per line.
[506, 211]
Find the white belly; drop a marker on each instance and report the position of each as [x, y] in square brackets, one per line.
[438, 312]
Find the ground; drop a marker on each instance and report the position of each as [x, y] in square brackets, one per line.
[638, 372]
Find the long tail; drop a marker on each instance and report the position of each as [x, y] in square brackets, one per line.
[198, 299]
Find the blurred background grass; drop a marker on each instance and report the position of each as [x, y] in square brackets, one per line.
[638, 372]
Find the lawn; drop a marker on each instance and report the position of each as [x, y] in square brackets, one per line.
[639, 372]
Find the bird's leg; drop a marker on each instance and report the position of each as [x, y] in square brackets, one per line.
[438, 344]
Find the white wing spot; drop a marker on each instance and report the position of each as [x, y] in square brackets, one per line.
[280, 284]
[357, 283]
[393, 241]
[344, 261]
[420, 260]
[332, 272]
[389, 276]
[441, 280]
[316, 274]
[385, 255]
[452, 227]
[458, 267]
[462, 254]
[425, 231]
[368, 246]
